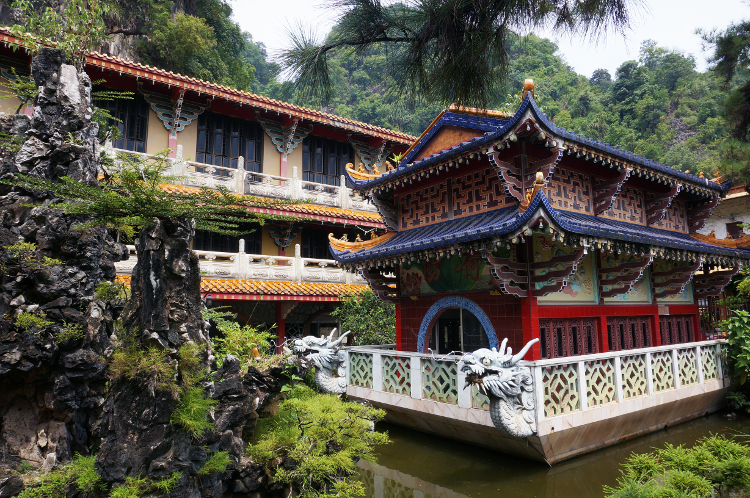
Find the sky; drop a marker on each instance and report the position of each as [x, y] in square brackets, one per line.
[671, 23]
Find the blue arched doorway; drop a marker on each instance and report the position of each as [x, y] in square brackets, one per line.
[468, 312]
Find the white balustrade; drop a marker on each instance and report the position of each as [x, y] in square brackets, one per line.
[240, 265]
[238, 180]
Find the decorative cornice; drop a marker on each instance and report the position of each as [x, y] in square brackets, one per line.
[175, 115]
[285, 138]
[343, 244]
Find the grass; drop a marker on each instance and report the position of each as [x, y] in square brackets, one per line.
[192, 412]
[69, 332]
[218, 462]
[80, 473]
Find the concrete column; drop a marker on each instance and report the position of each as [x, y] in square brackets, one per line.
[649, 375]
[676, 369]
[582, 394]
[464, 393]
[699, 364]
[280, 328]
[416, 377]
[539, 392]
[618, 379]
[377, 372]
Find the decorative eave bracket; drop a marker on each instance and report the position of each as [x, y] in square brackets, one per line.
[372, 157]
[608, 190]
[386, 288]
[673, 282]
[712, 284]
[175, 115]
[512, 275]
[698, 215]
[285, 138]
[657, 204]
[283, 232]
[556, 280]
[624, 276]
[387, 210]
[522, 174]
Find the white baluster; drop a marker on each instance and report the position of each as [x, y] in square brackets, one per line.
[719, 369]
[464, 394]
[676, 369]
[347, 367]
[239, 176]
[539, 392]
[377, 372]
[618, 379]
[582, 394]
[649, 375]
[344, 199]
[416, 377]
[299, 265]
[296, 185]
[699, 364]
[241, 264]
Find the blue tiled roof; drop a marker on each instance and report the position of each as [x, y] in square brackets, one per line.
[502, 126]
[507, 220]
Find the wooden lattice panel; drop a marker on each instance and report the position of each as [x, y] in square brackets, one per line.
[634, 380]
[423, 206]
[561, 393]
[663, 375]
[478, 192]
[570, 191]
[675, 218]
[628, 206]
[440, 381]
[710, 361]
[360, 369]
[688, 366]
[600, 382]
[397, 374]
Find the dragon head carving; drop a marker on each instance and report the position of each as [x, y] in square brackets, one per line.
[329, 361]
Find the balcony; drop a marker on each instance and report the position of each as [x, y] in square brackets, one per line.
[238, 180]
[243, 266]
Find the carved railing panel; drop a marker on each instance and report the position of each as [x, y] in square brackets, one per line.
[600, 382]
[661, 365]
[360, 369]
[440, 381]
[479, 400]
[688, 366]
[710, 362]
[561, 393]
[634, 379]
[397, 374]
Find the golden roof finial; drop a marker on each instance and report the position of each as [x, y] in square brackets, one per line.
[528, 86]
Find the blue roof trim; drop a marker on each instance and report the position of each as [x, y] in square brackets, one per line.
[506, 220]
[504, 126]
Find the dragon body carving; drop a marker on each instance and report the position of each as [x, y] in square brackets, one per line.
[509, 387]
[329, 360]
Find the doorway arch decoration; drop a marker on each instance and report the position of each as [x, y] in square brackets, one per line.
[455, 302]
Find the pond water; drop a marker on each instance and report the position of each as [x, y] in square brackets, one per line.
[417, 465]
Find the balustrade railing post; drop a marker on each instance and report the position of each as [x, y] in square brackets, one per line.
[344, 199]
[295, 184]
[539, 390]
[719, 363]
[178, 164]
[649, 375]
[676, 368]
[464, 394]
[582, 391]
[240, 262]
[699, 364]
[299, 265]
[618, 379]
[239, 179]
[377, 372]
[416, 377]
[347, 367]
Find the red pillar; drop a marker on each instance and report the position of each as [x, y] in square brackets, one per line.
[399, 346]
[530, 321]
[603, 335]
[280, 326]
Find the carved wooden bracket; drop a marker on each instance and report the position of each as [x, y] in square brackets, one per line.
[674, 284]
[512, 275]
[387, 210]
[385, 287]
[371, 156]
[711, 284]
[606, 193]
[283, 232]
[698, 215]
[625, 276]
[175, 115]
[285, 138]
[521, 174]
[554, 280]
[657, 204]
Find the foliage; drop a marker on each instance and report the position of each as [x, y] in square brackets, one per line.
[737, 329]
[191, 412]
[218, 462]
[69, 332]
[25, 253]
[109, 125]
[80, 472]
[151, 365]
[714, 466]
[77, 29]
[134, 196]
[31, 322]
[168, 484]
[441, 51]
[371, 320]
[239, 341]
[324, 436]
[134, 487]
[21, 87]
[111, 291]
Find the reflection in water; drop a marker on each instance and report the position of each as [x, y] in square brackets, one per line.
[417, 465]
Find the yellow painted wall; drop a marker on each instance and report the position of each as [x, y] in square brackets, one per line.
[268, 245]
[8, 105]
[157, 138]
[271, 157]
[294, 159]
[188, 138]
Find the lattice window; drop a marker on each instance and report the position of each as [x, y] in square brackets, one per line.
[360, 369]
[563, 338]
[687, 363]
[632, 332]
[324, 159]
[397, 374]
[661, 366]
[676, 329]
[133, 125]
[634, 380]
[600, 382]
[223, 139]
[710, 363]
[440, 381]
[560, 389]
[479, 400]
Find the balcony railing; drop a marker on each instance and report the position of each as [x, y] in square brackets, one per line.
[250, 183]
[240, 265]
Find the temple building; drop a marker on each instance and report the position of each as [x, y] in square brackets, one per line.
[507, 226]
[282, 274]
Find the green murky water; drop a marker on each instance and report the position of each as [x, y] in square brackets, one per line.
[417, 465]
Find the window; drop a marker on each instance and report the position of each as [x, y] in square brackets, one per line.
[629, 333]
[208, 241]
[457, 329]
[315, 244]
[676, 329]
[223, 139]
[133, 125]
[324, 160]
[560, 338]
[735, 230]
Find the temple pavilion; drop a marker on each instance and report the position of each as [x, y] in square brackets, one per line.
[509, 226]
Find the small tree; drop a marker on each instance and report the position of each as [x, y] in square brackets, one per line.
[371, 320]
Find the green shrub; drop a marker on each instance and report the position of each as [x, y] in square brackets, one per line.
[167, 484]
[371, 320]
[69, 331]
[192, 412]
[239, 341]
[32, 322]
[112, 291]
[218, 462]
[25, 253]
[324, 436]
[134, 487]
[80, 472]
[151, 364]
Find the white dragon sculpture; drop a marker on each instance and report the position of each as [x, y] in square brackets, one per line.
[508, 386]
[330, 361]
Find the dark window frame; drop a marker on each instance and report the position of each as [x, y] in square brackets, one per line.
[324, 160]
[234, 137]
[133, 125]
